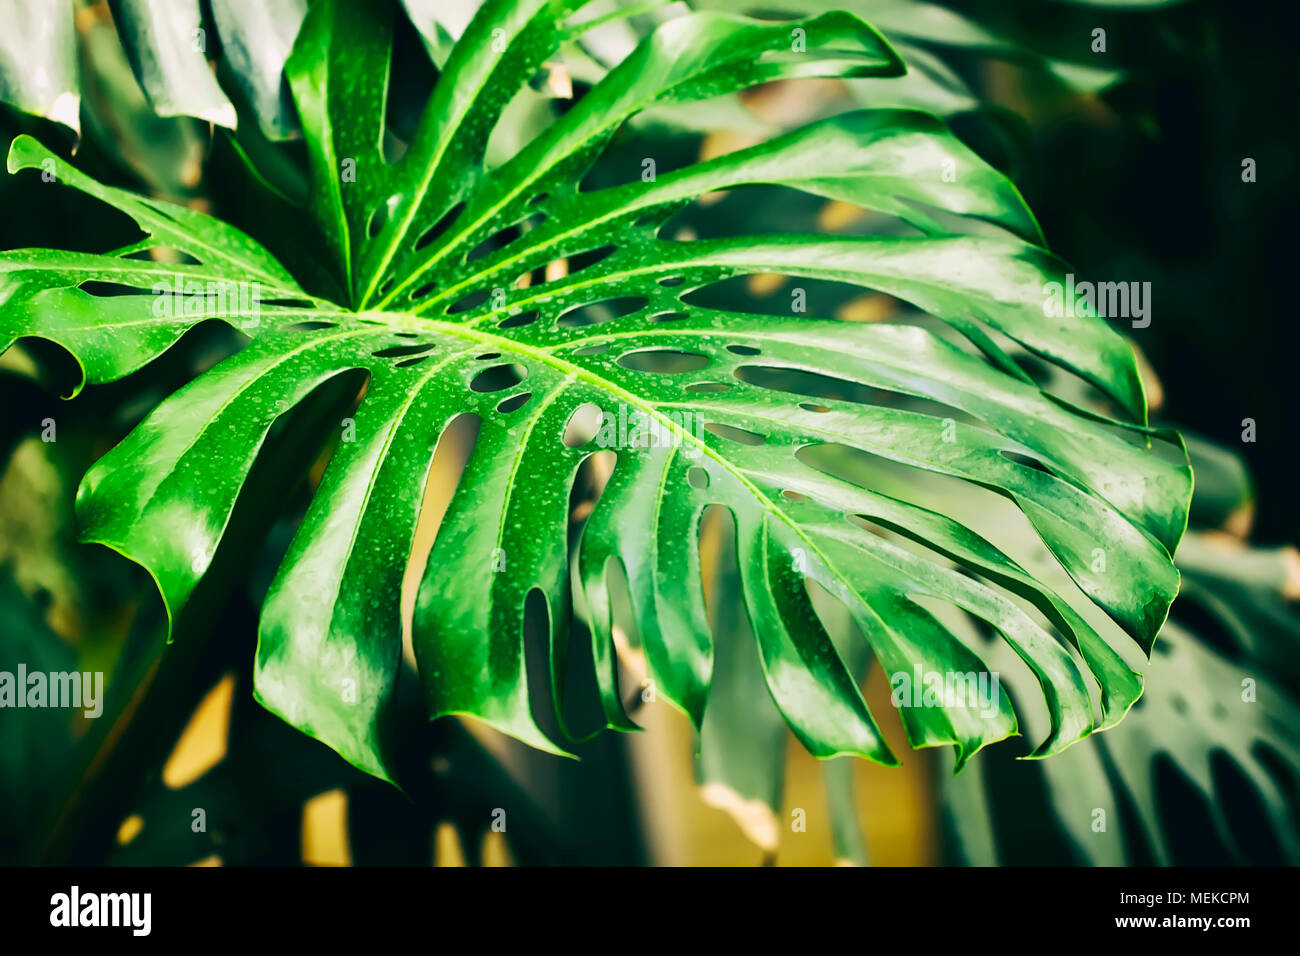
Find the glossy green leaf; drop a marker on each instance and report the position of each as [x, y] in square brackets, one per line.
[453, 307]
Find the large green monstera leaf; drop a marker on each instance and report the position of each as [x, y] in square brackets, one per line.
[448, 299]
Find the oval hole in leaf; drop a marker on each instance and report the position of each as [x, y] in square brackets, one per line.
[513, 402]
[583, 425]
[378, 217]
[504, 237]
[103, 290]
[523, 318]
[602, 311]
[165, 254]
[799, 382]
[585, 260]
[588, 485]
[731, 433]
[439, 227]
[400, 351]
[664, 361]
[698, 477]
[465, 303]
[498, 377]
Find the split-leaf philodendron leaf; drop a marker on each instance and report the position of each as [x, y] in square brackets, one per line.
[447, 292]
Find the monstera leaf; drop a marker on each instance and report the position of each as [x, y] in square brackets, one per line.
[512, 294]
[917, 27]
[167, 44]
[1212, 744]
[1214, 717]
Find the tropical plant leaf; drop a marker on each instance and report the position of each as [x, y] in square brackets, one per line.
[933, 25]
[1201, 710]
[38, 61]
[255, 40]
[165, 152]
[453, 306]
[1219, 702]
[167, 46]
[35, 742]
[741, 760]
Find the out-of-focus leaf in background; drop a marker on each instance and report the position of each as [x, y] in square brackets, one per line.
[167, 46]
[38, 60]
[256, 39]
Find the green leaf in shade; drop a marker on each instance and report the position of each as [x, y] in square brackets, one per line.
[1200, 706]
[35, 742]
[256, 39]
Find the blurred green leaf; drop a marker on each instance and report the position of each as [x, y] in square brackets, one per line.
[38, 60]
[256, 39]
[167, 45]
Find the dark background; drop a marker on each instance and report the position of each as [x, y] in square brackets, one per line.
[1147, 186]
